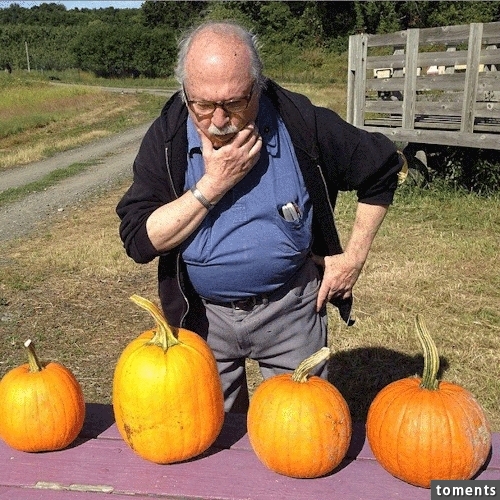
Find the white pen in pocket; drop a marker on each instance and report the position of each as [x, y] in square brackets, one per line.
[290, 212]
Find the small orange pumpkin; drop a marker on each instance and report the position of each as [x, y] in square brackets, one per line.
[420, 429]
[299, 425]
[42, 407]
[167, 394]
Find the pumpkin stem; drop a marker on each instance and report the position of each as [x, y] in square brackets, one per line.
[302, 372]
[33, 361]
[165, 335]
[431, 357]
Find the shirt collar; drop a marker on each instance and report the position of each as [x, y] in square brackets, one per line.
[194, 141]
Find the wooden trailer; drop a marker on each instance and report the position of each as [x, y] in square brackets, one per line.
[428, 86]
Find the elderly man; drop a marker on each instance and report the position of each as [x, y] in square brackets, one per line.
[234, 189]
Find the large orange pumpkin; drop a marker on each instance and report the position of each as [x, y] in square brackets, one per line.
[42, 407]
[420, 429]
[299, 425]
[167, 395]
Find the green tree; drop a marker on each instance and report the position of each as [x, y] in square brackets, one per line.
[156, 53]
[174, 15]
[377, 17]
[47, 46]
[48, 14]
[338, 19]
[233, 10]
[14, 14]
[104, 49]
[389, 19]
[116, 50]
[451, 13]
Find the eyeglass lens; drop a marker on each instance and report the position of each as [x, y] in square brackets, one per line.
[210, 107]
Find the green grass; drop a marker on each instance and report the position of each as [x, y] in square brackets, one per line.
[14, 194]
[38, 119]
[31, 105]
[436, 255]
[89, 79]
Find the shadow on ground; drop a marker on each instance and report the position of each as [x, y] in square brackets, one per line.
[359, 374]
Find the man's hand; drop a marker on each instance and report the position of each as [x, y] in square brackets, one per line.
[342, 271]
[170, 224]
[227, 165]
[340, 276]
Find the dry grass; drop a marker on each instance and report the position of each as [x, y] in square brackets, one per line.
[332, 96]
[65, 117]
[437, 257]
[68, 290]
[68, 286]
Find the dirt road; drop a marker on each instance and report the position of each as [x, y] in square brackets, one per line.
[114, 157]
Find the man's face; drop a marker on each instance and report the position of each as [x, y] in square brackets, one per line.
[221, 115]
[218, 73]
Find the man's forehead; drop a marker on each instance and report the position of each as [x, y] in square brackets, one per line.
[215, 47]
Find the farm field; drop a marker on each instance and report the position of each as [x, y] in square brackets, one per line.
[67, 285]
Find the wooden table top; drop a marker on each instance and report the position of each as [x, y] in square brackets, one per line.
[100, 465]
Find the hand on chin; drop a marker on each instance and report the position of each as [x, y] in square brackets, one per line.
[221, 140]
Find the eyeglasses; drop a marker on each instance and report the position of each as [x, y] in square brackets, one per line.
[206, 108]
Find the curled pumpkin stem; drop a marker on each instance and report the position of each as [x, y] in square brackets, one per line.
[165, 335]
[33, 361]
[302, 372]
[431, 357]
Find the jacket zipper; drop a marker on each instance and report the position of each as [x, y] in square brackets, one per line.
[178, 257]
[170, 173]
[332, 212]
[335, 234]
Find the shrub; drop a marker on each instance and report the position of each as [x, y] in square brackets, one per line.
[471, 169]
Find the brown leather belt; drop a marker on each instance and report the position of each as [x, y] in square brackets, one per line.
[244, 304]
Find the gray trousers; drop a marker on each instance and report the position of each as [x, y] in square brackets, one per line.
[279, 333]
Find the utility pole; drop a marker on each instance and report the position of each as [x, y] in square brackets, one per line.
[27, 55]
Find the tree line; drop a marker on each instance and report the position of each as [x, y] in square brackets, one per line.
[143, 42]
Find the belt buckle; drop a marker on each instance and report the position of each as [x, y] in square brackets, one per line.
[245, 304]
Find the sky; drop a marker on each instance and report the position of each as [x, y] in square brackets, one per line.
[80, 4]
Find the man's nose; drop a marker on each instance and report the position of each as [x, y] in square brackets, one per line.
[220, 117]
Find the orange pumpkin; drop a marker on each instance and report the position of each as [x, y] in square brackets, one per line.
[42, 407]
[167, 395]
[420, 429]
[299, 425]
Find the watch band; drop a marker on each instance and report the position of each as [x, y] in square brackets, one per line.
[201, 198]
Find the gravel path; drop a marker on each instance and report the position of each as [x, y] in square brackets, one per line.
[115, 156]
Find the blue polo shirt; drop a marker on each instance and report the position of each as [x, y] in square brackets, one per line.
[244, 246]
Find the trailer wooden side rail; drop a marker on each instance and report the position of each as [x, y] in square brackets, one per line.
[432, 85]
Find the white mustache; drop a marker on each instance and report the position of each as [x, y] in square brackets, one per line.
[228, 129]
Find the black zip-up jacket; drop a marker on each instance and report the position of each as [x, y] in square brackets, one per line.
[333, 156]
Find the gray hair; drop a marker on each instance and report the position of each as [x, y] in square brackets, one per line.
[230, 28]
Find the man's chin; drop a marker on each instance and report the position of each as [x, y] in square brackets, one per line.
[220, 140]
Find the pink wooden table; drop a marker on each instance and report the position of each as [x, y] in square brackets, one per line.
[100, 466]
